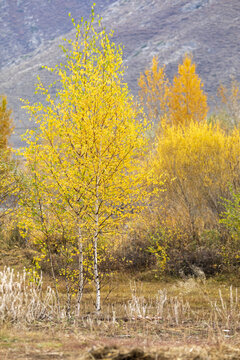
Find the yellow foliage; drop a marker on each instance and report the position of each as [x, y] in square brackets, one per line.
[186, 99]
[6, 127]
[7, 165]
[177, 103]
[85, 160]
[153, 91]
[199, 161]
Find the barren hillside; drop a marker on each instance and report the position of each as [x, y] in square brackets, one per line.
[27, 24]
[209, 29]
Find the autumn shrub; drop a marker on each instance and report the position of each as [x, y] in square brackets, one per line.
[10, 235]
[198, 162]
[167, 247]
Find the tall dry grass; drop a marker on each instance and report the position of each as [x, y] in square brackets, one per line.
[22, 299]
[188, 307]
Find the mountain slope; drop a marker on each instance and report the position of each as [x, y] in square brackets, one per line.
[208, 29]
[27, 24]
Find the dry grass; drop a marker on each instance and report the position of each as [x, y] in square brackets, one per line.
[192, 318]
[22, 299]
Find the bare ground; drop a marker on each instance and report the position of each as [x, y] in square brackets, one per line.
[72, 343]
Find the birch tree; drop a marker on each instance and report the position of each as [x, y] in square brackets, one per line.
[91, 140]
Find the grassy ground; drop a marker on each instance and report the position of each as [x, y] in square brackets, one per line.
[141, 318]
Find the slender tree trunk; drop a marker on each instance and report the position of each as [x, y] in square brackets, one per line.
[80, 269]
[68, 303]
[190, 211]
[96, 275]
[54, 278]
[95, 243]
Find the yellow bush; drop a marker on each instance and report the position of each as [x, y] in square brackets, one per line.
[198, 161]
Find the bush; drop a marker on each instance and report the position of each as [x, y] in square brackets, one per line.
[198, 162]
[133, 254]
[188, 263]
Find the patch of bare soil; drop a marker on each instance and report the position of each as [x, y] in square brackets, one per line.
[180, 353]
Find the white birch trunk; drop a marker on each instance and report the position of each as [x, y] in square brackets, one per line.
[96, 275]
[80, 269]
[95, 243]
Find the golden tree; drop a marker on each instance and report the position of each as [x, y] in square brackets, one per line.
[7, 165]
[90, 143]
[186, 99]
[6, 127]
[153, 91]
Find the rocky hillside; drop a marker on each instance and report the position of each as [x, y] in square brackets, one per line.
[27, 24]
[209, 29]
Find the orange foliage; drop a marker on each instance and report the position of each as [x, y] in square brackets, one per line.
[187, 100]
[5, 123]
[178, 103]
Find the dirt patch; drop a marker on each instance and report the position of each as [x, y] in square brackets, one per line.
[179, 353]
[116, 354]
